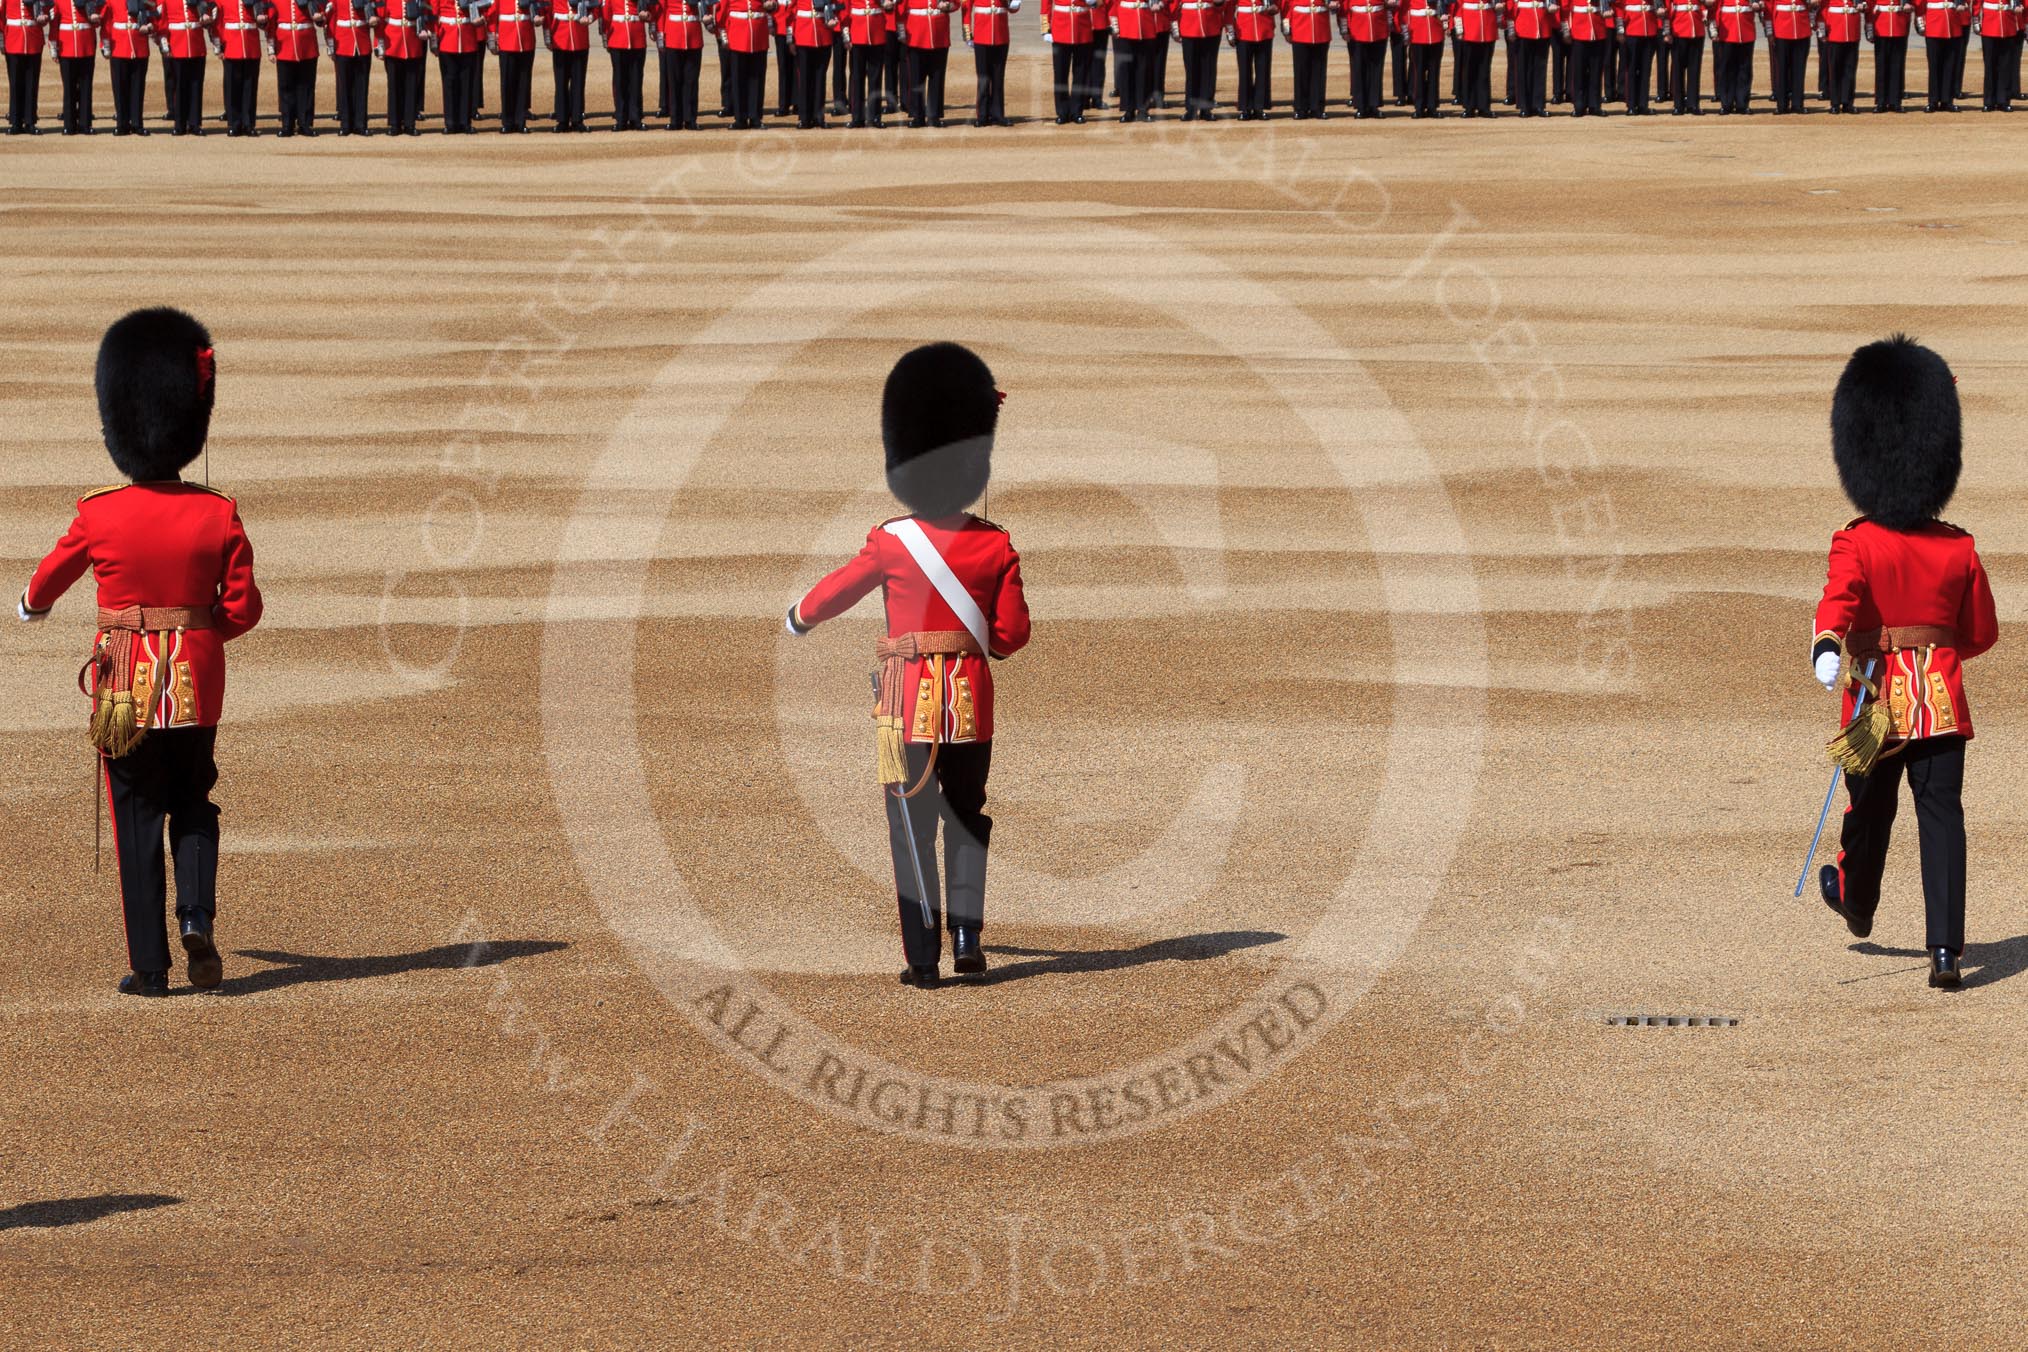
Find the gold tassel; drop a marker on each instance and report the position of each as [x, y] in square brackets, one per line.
[1859, 743]
[892, 751]
[115, 729]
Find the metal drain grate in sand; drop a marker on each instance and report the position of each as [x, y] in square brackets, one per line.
[1671, 1020]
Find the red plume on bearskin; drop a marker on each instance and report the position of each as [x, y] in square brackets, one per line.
[1896, 432]
[155, 384]
[937, 416]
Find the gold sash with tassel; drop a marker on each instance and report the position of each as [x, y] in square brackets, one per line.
[890, 701]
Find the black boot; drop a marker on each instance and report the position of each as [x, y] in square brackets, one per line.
[206, 971]
[966, 954]
[157, 983]
[1943, 969]
[1827, 883]
[923, 978]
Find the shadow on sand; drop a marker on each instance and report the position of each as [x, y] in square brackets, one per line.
[1186, 948]
[295, 969]
[1983, 963]
[79, 1210]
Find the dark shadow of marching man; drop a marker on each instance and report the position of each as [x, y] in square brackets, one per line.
[1984, 963]
[295, 969]
[63, 1211]
[1066, 962]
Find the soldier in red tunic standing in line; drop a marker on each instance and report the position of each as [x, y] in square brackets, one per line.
[1905, 606]
[952, 586]
[175, 584]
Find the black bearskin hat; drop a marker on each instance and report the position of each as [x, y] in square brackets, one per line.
[155, 381]
[937, 416]
[1896, 433]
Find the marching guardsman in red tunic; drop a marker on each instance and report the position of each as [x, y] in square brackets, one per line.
[1252, 31]
[1589, 25]
[989, 28]
[866, 27]
[1905, 606]
[510, 35]
[175, 583]
[1735, 26]
[1068, 26]
[679, 33]
[952, 587]
[127, 33]
[26, 23]
[2000, 24]
[1840, 25]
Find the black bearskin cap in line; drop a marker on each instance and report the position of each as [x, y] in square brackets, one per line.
[937, 416]
[155, 382]
[1896, 433]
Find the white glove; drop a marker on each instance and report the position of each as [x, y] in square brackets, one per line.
[24, 614]
[795, 630]
[1827, 671]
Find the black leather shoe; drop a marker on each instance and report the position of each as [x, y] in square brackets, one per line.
[1943, 969]
[201, 955]
[922, 978]
[1827, 883]
[157, 983]
[965, 950]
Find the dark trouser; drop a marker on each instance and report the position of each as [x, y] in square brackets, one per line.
[1425, 74]
[629, 65]
[567, 68]
[811, 63]
[76, 73]
[839, 47]
[296, 94]
[242, 90]
[1095, 70]
[890, 71]
[1200, 76]
[167, 779]
[1512, 65]
[680, 71]
[24, 80]
[724, 77]
[956, 795]
[662, 86]
[1457, 70]
[785, 74]
[1158, 74]
[989, 63]
[1368, 62]
[352, 75]
[1133, 72]
[2003, 67]
[1256, 76]
[1935, 770]
[1609, 67]
[185, 77]
[1559, 67]
[1841, 74]
[405, 92]
[1587, 77]
[925, 68]
[1890, 73]
[1788, 62]
[1309, 60]
[1531, 75]
[866, 62]
[1664, 53]
[1823, 72]
[130, 83]
[1732, 75]
[454, 70]
[1686, 74]
[1397, 46]
[517, 84]
[1636, 56]
[1475, 69]
[749, 87]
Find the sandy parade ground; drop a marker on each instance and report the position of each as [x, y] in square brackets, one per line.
[1421, 525]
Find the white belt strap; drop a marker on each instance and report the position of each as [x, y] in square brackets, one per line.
[910, 532]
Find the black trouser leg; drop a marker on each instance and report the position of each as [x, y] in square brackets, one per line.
[626, 63]
[1425, 73]
[1990, 50]
[167, 779]
[1530, 83]
[1640, 56]
[956, 797]
[1200, 75]
[1559, 67]
[936, 63]
[1513, 68]
[689, 78]
[1397, 48]
[1158, 70]
[724, 78]
[451, 80]
[1663, 47]
[1935, 768]
[1478, 57]
[570, 94]
[1368, 68]
[810, 85]
[991, 63]
[890, 73]
[1094, 57]
[24, 78]
[864, 86]
[785, 75]
[911, 85]
[839, 48]
[1583, 77]
[1457, 69]
[1890, 65]
[128, 77]
[1841, 64]
[1311, 60]
[517, 71]
[750, 87]
[1686, 75]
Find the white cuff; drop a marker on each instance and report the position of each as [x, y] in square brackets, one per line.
[24, 614]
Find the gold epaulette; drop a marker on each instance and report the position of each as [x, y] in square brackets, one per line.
[990, 525]
[1855, 521]
[101, 492]
[207, 488]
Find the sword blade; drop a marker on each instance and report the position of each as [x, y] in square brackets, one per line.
[1830, 793]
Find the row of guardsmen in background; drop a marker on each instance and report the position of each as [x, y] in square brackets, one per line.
[884, 55]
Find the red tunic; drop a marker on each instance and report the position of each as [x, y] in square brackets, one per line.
[623, 26]
[806, 26]
[748, 25]
[1943, 18]
[2000, 18]
[1201, 18]
[866, 22]
[237, 30]
[1364, 20]
[926, 24]
[984, 561]
[453, 29]
[1306, 21]
[567, 32]
[1585, 22]
[1735, 21]
[1421, 22]
[295, 36]
[1891, 18]
[1842, 20]
[1533, 18]
[511, 25]
[1927, 576]
[1790, 19]
[1689, 18]
[124, 37]
[1254, 20]
[1476, 21]
[679, 25]
[25, 34]
[1640, 18]
[986, 22]
[1067, 21]
[161, 545]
